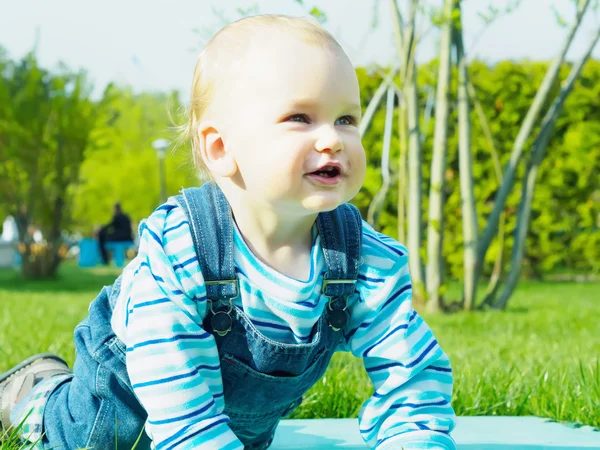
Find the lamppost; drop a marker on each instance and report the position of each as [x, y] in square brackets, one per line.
[161, 145]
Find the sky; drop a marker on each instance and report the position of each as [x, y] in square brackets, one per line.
[153, 44]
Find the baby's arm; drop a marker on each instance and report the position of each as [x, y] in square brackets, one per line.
[172, 362]
[411, 374]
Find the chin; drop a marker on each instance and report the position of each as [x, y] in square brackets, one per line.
[322, 203]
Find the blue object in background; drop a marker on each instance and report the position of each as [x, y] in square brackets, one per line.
[471, 433]
[89, 253]
[119, 251]
[18, 259]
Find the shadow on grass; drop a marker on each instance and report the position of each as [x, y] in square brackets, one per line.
[70, 278]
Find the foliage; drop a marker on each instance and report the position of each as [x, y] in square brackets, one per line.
[566, 210]
[45, 123]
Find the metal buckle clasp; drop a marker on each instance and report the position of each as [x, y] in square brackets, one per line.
[221, 320]
[235, 282]
[326, 282]
[337, 317]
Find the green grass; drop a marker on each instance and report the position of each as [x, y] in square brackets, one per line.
[541, 357]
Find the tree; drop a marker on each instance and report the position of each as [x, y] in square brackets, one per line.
[469, 212]
[435, 227]
[45, 125]
[475, 250]
[540, 144]
[410, 142]
[537, 155]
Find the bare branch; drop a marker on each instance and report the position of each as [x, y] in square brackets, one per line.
[524, 132]
[378, 200]
[539, 149]
[373, 104]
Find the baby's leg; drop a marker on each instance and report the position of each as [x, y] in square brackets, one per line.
[93, 408]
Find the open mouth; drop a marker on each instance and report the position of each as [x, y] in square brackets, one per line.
[330, 175]
[327, 172]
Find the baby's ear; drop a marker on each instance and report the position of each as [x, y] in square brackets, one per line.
[213, 152]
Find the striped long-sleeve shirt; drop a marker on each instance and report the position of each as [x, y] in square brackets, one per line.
[173, 362]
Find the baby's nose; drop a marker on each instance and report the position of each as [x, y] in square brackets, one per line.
[329, 140]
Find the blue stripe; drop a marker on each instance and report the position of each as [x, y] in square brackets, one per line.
[419, 405]
[238, 270]
[385, 366]
[398, 293]
[127, 311]
[368, 430]
[439, 369]
[196, 433]
[182, 223]
[307, 304]
[372, 280]
[185, 263]
[177, 337]
[362, 325]
[145, 264]
[422, 355]
[154, 236]
[198, 412]
[150, 303]
[366, 324]
[399, 327]
[380, 241]
[157, 278]
[196, 371]
[142, 264]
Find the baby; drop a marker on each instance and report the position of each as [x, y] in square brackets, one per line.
[244, 288]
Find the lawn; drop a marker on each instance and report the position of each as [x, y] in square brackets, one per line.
[541, 357]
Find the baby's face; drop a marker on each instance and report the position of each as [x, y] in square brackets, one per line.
[290, 119]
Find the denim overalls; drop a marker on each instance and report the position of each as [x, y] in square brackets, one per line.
[263, 380]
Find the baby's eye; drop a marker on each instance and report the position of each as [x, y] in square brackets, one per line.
[346, 120]
[303, 118]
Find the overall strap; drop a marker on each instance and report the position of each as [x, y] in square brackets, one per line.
[341, 238]
[211, 224]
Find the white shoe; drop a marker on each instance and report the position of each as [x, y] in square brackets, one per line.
[18, 381]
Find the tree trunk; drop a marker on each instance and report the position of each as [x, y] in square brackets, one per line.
[40, 260]
[497, 270]
[402, 136]
[371, 108]
[435, 228]
[415, 161]
[469, 213]
[379, 199]
[405, 42]
[526, 128]
[539, 148]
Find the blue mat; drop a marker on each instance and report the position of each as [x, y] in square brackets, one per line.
[471, 433]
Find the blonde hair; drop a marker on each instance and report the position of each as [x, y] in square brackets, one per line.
[223, 51]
